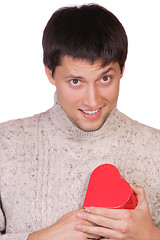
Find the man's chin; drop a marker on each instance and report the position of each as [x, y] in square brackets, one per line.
[89, 127]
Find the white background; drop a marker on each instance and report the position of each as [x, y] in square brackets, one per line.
[24, 88]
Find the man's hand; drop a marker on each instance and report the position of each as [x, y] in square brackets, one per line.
[126, 224]
[64, 229]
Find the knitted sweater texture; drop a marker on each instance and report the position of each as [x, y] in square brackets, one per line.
[46, 163]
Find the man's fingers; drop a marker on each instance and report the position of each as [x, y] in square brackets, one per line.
[100, 231]
[116, 214]
[99, 220]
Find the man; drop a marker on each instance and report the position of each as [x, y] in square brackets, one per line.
[47, 159]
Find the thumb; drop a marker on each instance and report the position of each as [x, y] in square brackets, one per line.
[140, 193]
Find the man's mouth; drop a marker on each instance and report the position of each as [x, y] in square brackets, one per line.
[91, 115]
[91, 112]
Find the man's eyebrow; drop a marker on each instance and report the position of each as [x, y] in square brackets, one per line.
[109, 69]
[80, 77]
[73, 76]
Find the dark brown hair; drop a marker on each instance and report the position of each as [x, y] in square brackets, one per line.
[88, 32]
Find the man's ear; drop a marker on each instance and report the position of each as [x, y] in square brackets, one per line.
[123, 71]
[49, 75]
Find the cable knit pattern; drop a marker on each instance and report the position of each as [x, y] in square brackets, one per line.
[46, 163]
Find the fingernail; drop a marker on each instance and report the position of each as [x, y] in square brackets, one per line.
[80, 215]
[87, 210]
[79, 227]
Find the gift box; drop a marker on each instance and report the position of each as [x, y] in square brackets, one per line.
[108, 189]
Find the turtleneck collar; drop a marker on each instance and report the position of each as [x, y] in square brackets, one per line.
[67, 128]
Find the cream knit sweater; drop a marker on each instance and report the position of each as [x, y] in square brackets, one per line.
[46, 163]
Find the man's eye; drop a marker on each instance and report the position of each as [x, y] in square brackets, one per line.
[106, 79]
[75, 82]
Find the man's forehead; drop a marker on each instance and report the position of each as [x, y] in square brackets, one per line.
[69, 61]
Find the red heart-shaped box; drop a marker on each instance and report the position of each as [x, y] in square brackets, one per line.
[108, 189]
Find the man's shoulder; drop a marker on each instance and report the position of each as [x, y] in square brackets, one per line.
[140, 131]
[13, 127]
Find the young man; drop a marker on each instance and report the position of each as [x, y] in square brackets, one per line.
[47, 159]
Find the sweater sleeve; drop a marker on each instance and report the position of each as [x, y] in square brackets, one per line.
[2, 221]
[3, 235]
[19, 236]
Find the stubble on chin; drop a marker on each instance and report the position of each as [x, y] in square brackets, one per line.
[90, 127]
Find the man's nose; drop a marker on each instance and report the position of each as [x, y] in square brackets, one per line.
[91, 98]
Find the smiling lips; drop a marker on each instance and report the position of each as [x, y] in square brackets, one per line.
[91, 115]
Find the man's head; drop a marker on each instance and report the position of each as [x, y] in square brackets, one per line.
[85, 50]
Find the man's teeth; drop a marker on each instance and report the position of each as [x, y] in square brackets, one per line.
[91, 112]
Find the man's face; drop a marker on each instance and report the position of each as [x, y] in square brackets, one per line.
[87, 92]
